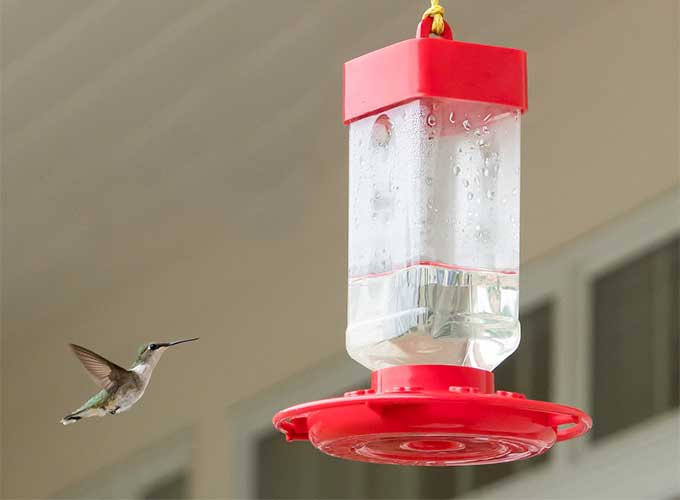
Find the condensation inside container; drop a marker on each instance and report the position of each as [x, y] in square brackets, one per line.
[435, 180]
[434, 235]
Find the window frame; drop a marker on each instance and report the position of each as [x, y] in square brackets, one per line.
[564, 278]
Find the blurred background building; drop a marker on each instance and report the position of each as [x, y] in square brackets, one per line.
[177, 168]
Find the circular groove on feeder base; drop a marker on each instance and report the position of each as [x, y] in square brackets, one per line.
[436, 450]
[433, 444]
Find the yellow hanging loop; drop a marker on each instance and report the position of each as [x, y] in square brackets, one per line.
[436, 12]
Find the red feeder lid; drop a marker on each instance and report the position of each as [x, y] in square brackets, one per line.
[433, 67]
[432, 415]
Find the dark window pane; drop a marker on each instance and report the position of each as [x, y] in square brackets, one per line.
[286, 470]
[389, 481]
[173, 488]
[487, 474]
[444, 482]
[635, 340]
[528, 370]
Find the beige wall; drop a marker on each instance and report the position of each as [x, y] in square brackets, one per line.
[220, 211]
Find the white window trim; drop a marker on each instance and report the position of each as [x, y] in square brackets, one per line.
[578, 468]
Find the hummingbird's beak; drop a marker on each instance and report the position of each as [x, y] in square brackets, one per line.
[170, 344]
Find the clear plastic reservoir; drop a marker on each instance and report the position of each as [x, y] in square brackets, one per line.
[434, 235]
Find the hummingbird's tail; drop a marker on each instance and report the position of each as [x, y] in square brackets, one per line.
[79, 414]
[70, 419]
[84, 411]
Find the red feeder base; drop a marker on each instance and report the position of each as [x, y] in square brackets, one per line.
[432, 415]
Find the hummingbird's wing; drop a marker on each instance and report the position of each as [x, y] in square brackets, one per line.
[104, 373]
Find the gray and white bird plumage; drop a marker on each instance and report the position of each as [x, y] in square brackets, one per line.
[120, 388]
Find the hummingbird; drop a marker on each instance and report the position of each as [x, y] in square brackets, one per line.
[121, 388]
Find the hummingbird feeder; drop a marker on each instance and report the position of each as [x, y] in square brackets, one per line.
[434, 164]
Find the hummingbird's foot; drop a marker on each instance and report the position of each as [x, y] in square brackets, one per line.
[115, 410]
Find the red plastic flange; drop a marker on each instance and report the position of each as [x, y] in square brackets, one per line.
[432, 415]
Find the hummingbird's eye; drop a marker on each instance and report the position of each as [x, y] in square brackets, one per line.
[153, 347]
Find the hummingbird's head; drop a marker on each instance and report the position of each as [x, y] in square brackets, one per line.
[150, 353]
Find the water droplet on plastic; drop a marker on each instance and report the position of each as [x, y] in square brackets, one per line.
[482, 143]
[456, 171]
[466, 183]
[478, 227]
[428, 181]
[490, 195]
[460, 150]
[478, 132]
[377, 196]
[374, 216]
[477, 182]
[470, 196]
[431, 120]
[485, 171]
[485, 129]
[466, 125]
[452, 117]
[487, 118]
[514, 191]
[382, 131]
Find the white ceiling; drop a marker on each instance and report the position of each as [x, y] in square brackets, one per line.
[133, 131]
